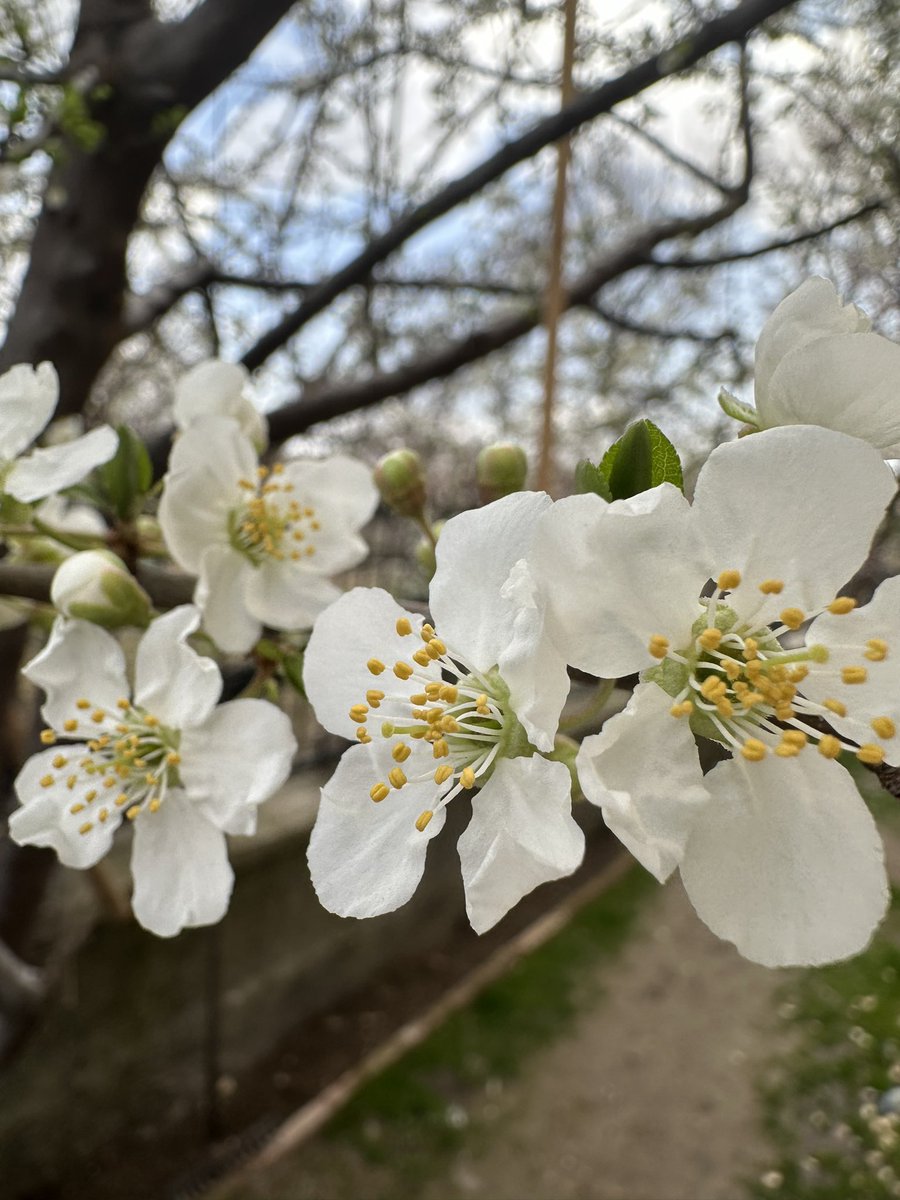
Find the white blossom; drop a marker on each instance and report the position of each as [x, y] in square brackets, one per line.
[776, 849]
[181, 770]
[28, 397]
[219, 389]
[465, 703]
[263, 542]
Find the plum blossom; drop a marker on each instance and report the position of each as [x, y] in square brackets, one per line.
[261, 540]
[28, 397]
[181, 770]
[776, 849]
[219, 389]
[469, 702]
[818, 363]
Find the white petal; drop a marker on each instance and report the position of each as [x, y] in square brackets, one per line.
[532, 668]
[28, 398]
[615, 575]
[172, 681]
[221, 596]
[366, 858]
[80, 661]
[846, 637]
[799, 504]
[182, 877]
[237, 759]
[217, 389]
[202, 487]
[522, 834]
[286, 595]
[786, 862]
[358, 627]
[812, 312]
[339, 488]
[643, 771]
[475, 553]
[46, 818]
[849, 383]
[43, 472]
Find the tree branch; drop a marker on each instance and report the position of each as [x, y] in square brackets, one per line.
[31, 581]
[730, 27]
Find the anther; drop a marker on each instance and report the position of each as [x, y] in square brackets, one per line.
[48, 737]
[829, 746]
[404, 626]
[402, 670]
[870, 754]
[98, 716]
[728, 581]
[426, 632]
[374, 697]
[787, 750]
[841, 605]
[467, 778]
[401, 752]
[449, 693]
[422, 657]
[836, 706]
[753, 749]
[375, 665]
[70, 725]
[363, 735]
[684, 709]
[709, 639]
[76, 809]
[793, 617]
[358, 713]
[133, 812]
[771, 587]
[443, 773]
[440, 749]
[876, 650]
[884, 727]
[854, 674]
[436, 648]
[418, 699]
[86, 827]
[59, 761]
[658, 646]
[380, 792]
[423, 819]
[103, 814]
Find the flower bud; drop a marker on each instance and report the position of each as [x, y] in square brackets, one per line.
[96, 586]
[500, 470]
[400, 479]
[425, 550]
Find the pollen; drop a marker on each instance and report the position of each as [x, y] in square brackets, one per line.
[658, 646]
[728, 580]
[401, 752]
[396, 777]
[709, 639]
[793, 617]
[829, 746]
[854, 674]
[380, 792]
[884, 727]
[60, 761]
[46, 781]
[70, 725]
[86, 827]
[870, 754]
[374, 697]
[836, 706]
[375, 665]
[753, 750]
[358, 713]
[684, 709]
[422, 657]
[404, 626]
[467, 778]
[876, 650]
[772, 587]
[440, 748]
[443, 773]
[842, 605]
[48, 737]
[402, 670]
[423, 820]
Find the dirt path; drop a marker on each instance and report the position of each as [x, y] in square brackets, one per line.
[649, 1096]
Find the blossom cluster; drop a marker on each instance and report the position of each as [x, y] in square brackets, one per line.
[732, 611]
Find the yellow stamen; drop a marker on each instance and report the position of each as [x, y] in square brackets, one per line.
[829, 746]
[854, 674]
[728, 581]
[436, 648]
[374, 697]
[396, 777]
[422, 657]
[59, 761]
[358, 713]
[423, 819]
[794, 737]
[786, 750]
[443, 773]
[48, 737]
[86, 827]
[884, 727]
[402, 670]
[380, 792]
[362, 735]
[876, 650]
[76, 809]
[841, 605]
[70, 725]
[793, 617]
[418, 699]
[771, 587]
[173, 758]
[440, 749]
[709, 639]
[121, 800]
[449, 693]
[375, 665]
[870, 754]
[467, 778]
[836, 706]
[684, 709]
[401, 752]
[753, 749]
[404, 626]
[658, 646]
[426, 632]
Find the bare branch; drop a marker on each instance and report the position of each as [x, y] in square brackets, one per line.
[643, 329]
[730, 27]
[31, 581]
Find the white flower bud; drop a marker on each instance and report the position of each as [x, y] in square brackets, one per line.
[96, 586]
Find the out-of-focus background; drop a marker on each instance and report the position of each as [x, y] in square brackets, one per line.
[356, 200]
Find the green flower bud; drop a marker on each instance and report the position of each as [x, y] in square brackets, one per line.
[95, 585]
[500, 470]
[400, 478]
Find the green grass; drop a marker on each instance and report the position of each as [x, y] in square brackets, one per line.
[416, 1114]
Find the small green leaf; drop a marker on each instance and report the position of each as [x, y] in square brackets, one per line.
[737, 409]
[127, 477]
[292, 666]
[642, 458]
[589, 478]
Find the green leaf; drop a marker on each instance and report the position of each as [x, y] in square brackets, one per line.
[589, 478]
[642, 458]
[292, 666]
[737, 409]
[127, 477]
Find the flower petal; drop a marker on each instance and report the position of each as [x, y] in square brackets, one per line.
[366, 858]
[475, 554]
[43, 472]
[80, 661]
[522, 834]
[799, 504]
[28, 397]
[810, 313]
[615, 575]
[340, 488]
[848, 383]
[182, 877]
[46, 818]
[221, 596]
[217, 389]
[286, 595]
[786, 862]
[237, 759]
[172, 681]
[643, 771]
[362, 625]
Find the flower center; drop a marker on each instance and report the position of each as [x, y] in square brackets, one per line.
[738, 684]
[130, 764]
[462, 713]
[269, 522]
